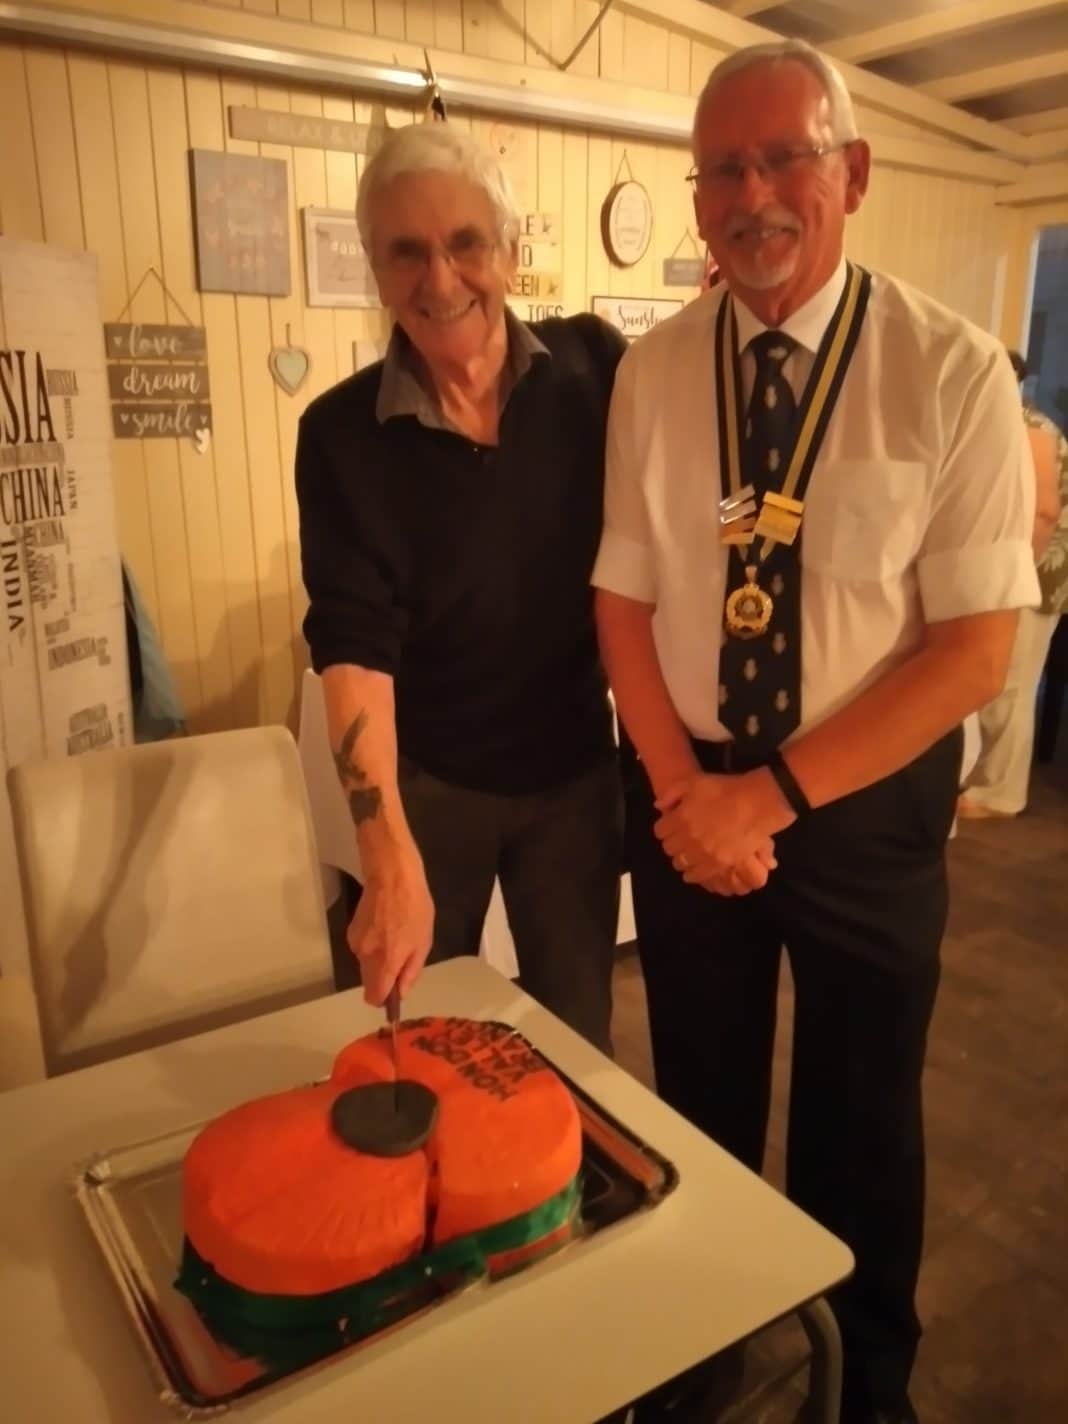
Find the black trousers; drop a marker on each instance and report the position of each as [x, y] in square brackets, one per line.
[558, 854]
[859, 902]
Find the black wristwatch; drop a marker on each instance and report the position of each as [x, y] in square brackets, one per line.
[788, 783]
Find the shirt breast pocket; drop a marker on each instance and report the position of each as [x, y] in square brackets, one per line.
[864, 519]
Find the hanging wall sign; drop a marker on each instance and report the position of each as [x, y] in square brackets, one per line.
[538, 275]
[627, 219]
[298, 130]
[634, 316]
[158, 377]
[289, 365]
[241, 209]
[685, 271]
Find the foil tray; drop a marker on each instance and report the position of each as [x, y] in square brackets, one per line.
[131, 1197]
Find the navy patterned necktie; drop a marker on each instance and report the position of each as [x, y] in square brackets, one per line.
[760, 677]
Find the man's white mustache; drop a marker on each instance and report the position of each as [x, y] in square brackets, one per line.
[739, 226]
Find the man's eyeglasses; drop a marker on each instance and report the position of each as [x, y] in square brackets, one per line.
[774, 163]
[466, 250]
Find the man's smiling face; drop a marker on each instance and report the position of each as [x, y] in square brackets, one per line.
[442, 264]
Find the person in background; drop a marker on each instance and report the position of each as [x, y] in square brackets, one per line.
[817, 522]
[450, 509]
[997, 785]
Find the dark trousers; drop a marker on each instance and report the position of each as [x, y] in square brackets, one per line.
[859, 902]
[558, 855]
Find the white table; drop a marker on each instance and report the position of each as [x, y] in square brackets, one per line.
[562, 1343]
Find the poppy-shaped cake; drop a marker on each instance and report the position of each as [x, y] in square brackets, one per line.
[297, 1243]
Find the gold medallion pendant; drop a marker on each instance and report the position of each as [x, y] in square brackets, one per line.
[748, 609]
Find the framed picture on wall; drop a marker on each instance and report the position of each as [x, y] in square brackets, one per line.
[241, 215]
[635, 315]
[336, 268]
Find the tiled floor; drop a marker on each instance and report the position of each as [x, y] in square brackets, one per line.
[994, 1290]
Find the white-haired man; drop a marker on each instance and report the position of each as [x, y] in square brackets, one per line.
[450, 507]
[818, 517]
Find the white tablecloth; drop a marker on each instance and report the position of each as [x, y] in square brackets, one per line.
[562, 1343]
[337, 843]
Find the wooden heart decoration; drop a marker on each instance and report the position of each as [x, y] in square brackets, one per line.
[289, 367]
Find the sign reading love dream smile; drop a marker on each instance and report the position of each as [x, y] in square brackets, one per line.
[158, 381]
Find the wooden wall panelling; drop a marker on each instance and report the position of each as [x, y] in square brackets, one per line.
[610, 41]
[311, 329]
[258, 328]
[679, 63]
[476, 18]
[600, 175]
[20, 198]
[570, 21]
[673, 206]
[158, 464]
[53, 144]
[507, 26]
[449, 25]
[576, 234]
[540, 26]
[917, 211]
[229, 451]
[196, 474]
[340, 194]
[703, 59]
[389, 19]
[261, 7]
[419, 23]
[294, 9]
[359, 15]
[94, 143]
[328, 12]
[645, 53]
[965, 283]
[276, 682]
[865, 228]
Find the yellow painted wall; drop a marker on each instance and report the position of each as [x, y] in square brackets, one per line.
[93, 153]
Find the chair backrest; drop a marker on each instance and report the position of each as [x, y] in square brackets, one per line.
[169, 888]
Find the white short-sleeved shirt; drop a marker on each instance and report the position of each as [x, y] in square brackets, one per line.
[919, 509]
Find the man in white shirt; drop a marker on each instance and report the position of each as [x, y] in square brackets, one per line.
[876, 437]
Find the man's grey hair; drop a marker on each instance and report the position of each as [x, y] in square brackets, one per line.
[440, 148]
[843, 119]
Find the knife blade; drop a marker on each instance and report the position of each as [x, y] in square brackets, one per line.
[392, 1016]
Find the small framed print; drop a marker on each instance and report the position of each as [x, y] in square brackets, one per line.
[240, 206]
[634, 316]
[337, 271]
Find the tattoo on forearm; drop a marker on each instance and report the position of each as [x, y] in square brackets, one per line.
[364, 800]
[363, 805]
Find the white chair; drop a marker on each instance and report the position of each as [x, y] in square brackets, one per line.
[21, 1053]
[169, 888]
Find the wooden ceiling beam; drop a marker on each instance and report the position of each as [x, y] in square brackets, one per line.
[997, 78]
[744, 8]
[722, 31]
[1042, 185]
[1044, 121]
[921, 31]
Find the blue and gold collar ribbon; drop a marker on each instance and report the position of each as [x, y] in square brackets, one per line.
[779, 518]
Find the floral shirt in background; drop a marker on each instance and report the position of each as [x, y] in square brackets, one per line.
[1053, 567]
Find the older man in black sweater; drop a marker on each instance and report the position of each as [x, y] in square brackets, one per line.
[450, 505]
